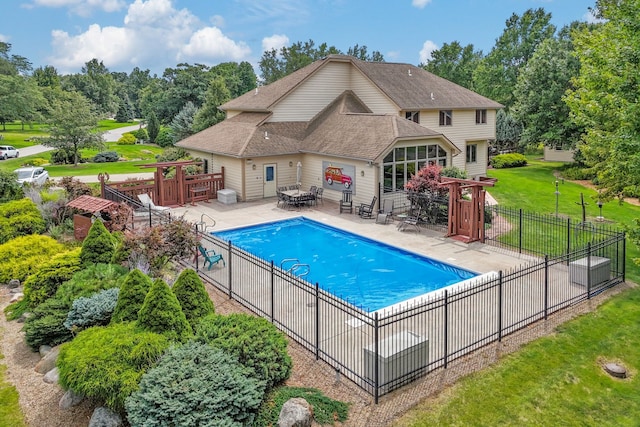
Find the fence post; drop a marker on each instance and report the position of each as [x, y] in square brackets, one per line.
[317, 322]
[588, 270]
[546, 286]
[568, 239]
[500, 306]
[229, 268]
[197, 251]
[376, 379]
[446, 327]
[624, 255]
[520, 230]
[150, 219]
[272, 293]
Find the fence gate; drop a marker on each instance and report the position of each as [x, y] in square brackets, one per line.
[466, 217]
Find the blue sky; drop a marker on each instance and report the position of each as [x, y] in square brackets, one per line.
[156, 34]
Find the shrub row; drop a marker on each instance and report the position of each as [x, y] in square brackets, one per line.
[509, 160]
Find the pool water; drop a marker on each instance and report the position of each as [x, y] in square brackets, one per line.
[364, 272]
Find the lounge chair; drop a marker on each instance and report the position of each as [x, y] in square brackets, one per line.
[148, 203]
[211, 257]
[410, 220]
[366, 210]
[386, 213]
[346, 204]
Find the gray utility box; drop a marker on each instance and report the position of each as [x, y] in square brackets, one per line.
[600, 270]
[398, 355]
[227, 196]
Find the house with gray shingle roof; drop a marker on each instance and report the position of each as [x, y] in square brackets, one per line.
[375, 122]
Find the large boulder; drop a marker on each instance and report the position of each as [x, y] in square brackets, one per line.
[14, 283]
[48, 362]
[52, 376]
[296, 412]
[105, 417]
[69, 399]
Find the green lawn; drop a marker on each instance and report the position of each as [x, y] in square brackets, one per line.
[554, 381]
[532, 188]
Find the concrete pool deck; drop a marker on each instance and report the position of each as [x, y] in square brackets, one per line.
[476, 256]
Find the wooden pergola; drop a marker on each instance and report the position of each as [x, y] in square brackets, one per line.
[466, 217]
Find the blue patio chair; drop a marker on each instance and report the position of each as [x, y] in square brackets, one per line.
[211, 257]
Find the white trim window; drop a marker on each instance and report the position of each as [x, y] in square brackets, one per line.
[481, 117]
[472, 153]
[414, 116]
[403, 162]
[446, 117]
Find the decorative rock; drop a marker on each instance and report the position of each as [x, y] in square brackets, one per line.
[295, 412]
[105, 417]
[48, 362]
[17, 290]
[14, 283]
[44, 349]
[52, 376]
[16, 297]
[69, 399]
[23, 318]
[616, 370]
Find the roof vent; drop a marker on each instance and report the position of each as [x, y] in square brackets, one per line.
[409, 72]
[433, 98]
[266, 135]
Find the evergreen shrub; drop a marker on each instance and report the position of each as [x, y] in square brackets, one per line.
[193, 297]
[45, 326]
[90, 280]
[95, 310]
[44, 283]
[325, 410]
[161, 313]
[133, 290]
[127, 139]
[195, 385]
[107, 362]
[106, 157]
[98, 246]
[23, 255]
[20, 218]
[254, 341]
[509, 160]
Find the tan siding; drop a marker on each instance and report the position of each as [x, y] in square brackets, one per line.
[232, 173]
[463, 128]
[371, 95]
[314, 94]
[285, 174]
[479, 168]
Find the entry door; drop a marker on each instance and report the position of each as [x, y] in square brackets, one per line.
[269, 180]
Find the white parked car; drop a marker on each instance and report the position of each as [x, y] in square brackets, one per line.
[7, 151]
[32, 175]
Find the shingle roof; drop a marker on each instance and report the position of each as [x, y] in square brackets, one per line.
[91, 204]
[410, 87]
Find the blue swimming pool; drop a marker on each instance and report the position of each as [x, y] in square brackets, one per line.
[364, 272]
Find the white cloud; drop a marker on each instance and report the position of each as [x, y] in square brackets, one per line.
[4, 38]
[591, 19]
[420, 4]
[425, 52]
[153, 34]
[210, 43]
[276, 41]
[84, 7]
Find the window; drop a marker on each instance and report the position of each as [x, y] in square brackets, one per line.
[414, 116]
[472, 153]
[403, 162]
[481, 117]
[445, 117]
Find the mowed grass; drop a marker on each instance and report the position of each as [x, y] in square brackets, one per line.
[555, 381]
[532, 188]
[10, 413]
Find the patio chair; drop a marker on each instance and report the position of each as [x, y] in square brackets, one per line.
[366, 210]
[148, 203]
[319, 195]
[410, 220]
[386, 213]
[346, 204]
[211, 257]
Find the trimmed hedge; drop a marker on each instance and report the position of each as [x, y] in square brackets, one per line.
[20, 218]
[107, 362]
[195, 385]
[509, 160]
[127, 139]
[254, 341]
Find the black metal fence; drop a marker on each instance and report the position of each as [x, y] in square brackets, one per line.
[140, 215]
[383, 350]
